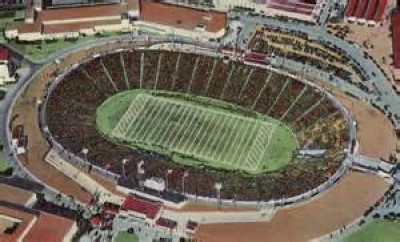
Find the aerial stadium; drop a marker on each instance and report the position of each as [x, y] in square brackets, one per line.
[205, 121]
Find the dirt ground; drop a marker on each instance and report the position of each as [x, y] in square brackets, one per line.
[320, 216]
[25, 113]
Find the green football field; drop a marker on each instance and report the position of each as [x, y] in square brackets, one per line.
[126, 237]
[380, 231]
[197, 130]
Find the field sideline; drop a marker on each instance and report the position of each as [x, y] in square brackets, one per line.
[197, 131]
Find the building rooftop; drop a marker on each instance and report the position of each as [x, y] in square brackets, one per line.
[182, 17]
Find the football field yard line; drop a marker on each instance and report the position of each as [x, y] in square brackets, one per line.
[265, 134]
[203, 135]
[177, 126]
[247, 143]
[207, 147]
[127, 118]
[135, 124]
[195, 115]
[157, 117]
[237, 134]
[161, 131]
[186, 141]
[144, 124]
[202, 130]
[240, 141]
[137, 133]
[221, 155]
[214, 139]
[189, 118]
[148, 125]
[169, 125]
[160, 119]
[217, 150]
[271, 133]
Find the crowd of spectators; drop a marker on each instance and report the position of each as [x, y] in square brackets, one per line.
[71, 111]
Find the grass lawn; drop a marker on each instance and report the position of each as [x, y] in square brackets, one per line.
[3, 163]
[41, 51]
[379, 231]
[126, 237]
[197, 131]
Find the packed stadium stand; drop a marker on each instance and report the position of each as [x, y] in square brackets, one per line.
[369, 10]
[300, 106]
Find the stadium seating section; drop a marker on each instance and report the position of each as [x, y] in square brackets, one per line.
[318, 124]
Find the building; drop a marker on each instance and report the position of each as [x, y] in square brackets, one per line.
[72, 20]
[5, 66]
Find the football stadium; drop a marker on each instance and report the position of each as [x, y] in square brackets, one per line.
[211, 118]
[199, 121]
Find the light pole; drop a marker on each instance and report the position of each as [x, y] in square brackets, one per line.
[169, 172]
[185, 174]
[218, 187]
[123, 166]
[85, 151]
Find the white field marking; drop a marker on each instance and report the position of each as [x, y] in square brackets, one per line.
[161, 110]
[230, 134]
[194, 142]
[134, 132]
[227, 82]
[160, 119]
[170, 129]
[279, 95]
[235, 152]
[310, 109]
[247, 143]
[262, 90]
[223, 152]
[186, 123]
[293, 103]
[187, 129]
[170, 124]
[191, 132]
[138, 119]
[214, 138]
[161, 130]
[213, 144]
[210, 77]
[237, 134]
[158, 69]
[105, 70]
[141, 70]
[244, 86]
[269, 133]
[121, 59]
[149, 131]
[205, 133]
[193, 75]
[120, 130]
[178, 60]
[178, 124]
